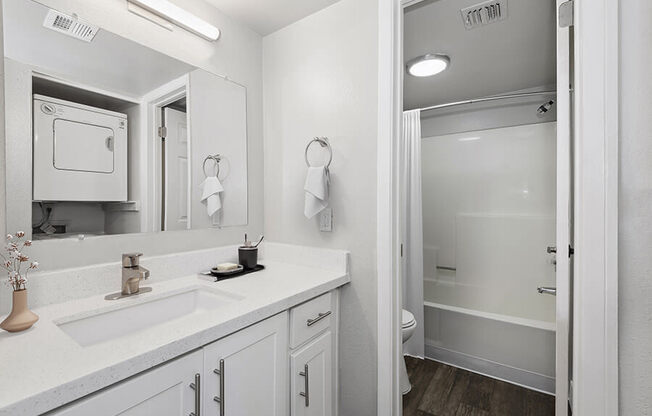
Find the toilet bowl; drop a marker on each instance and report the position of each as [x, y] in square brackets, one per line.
[408, 325]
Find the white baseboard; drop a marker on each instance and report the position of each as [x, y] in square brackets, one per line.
[520, 377]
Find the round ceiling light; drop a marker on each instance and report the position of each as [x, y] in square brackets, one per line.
[428, 65]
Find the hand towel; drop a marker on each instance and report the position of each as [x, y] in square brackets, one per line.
[316, 188]
[211, 195]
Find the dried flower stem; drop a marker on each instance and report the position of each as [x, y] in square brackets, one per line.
[13, 261]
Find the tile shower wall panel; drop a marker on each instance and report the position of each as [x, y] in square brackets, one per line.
[501, 260]
[505, 171]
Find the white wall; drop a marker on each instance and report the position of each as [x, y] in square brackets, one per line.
[3, 194]
[635, 205]
[237, 54]
[320, 80]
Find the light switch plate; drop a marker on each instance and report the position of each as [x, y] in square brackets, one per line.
[326, 220]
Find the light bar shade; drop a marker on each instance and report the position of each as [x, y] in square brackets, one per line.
[180, 17]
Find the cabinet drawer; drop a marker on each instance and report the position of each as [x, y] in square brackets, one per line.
[310, 318]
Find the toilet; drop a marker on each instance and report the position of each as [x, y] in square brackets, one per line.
[408, 324]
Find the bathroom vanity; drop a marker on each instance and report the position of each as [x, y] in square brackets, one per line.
[260, 344]
[112, 141]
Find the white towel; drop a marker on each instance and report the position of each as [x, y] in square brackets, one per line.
[211, 195]
[316, 188]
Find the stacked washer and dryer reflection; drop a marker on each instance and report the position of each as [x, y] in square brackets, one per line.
[80, 152]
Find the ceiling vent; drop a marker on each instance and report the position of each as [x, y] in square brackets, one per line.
[484, 13]
[70, 25]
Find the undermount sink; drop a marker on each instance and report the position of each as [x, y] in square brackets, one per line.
[128, 318]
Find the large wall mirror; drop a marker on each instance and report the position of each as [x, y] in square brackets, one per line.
[106, 136]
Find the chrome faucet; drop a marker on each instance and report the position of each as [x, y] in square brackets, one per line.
[132, 273]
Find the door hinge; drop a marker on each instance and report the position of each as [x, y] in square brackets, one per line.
[401, 249]
[571, 250]
[162, 132]
[566, 14]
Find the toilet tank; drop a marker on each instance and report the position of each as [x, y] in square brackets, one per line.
[80, 152]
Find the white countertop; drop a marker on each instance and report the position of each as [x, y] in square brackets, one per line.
[43, 368]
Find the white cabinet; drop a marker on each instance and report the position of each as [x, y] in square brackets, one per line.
[243, 374]
[246, 372]
[311, 378]
[163, 391]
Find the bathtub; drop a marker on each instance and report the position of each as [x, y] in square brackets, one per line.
[508, 336]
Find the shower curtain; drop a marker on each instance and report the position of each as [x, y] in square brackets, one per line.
[412, 228]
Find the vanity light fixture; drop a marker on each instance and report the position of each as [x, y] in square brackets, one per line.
[428, 65]
[180, 17]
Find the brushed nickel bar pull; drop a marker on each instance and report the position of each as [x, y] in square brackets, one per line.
[306, 385]
[196, 386]
[220, 399]
[319, 317]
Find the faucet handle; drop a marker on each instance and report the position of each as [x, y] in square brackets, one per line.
[131, 259]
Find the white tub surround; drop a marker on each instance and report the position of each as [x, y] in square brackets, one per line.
[51, 369]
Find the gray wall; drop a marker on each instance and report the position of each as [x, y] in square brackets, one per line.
[320, 80]
[635, 205]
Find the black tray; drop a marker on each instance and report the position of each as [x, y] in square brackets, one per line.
[219, 276]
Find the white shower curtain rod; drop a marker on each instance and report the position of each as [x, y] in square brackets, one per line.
[484, 99]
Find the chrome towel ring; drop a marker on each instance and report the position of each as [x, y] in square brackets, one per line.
[214, 158]
[323, 142]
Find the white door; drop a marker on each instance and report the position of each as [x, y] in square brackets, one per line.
[176, 187]
[246, 373]
[163, 391]
[73, 138]
[564, 218]
[311, 378]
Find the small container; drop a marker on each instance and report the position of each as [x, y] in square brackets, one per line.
[248, 256]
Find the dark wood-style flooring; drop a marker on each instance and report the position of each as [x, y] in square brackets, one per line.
[442, 390]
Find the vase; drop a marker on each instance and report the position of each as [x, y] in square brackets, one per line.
[20, 318]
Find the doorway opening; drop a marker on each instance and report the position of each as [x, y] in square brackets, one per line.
[482, 179]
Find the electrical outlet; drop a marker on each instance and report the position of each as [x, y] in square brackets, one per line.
[326, 220]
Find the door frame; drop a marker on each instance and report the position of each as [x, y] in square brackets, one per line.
[161, 152]
[390, 105]
[151, 110]
[595, 130]
[595, 282]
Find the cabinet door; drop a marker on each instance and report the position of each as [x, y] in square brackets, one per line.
[311, 373]
[163, 391]
[246, 372]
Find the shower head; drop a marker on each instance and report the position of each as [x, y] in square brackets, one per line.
[544, 108]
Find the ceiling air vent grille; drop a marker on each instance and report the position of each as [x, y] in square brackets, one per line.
[484, 13]
[70, 25]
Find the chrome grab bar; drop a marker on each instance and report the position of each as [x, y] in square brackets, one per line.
[320, 316]
[306, 385]
[220, 399]
[196, 386]
[547, 290]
